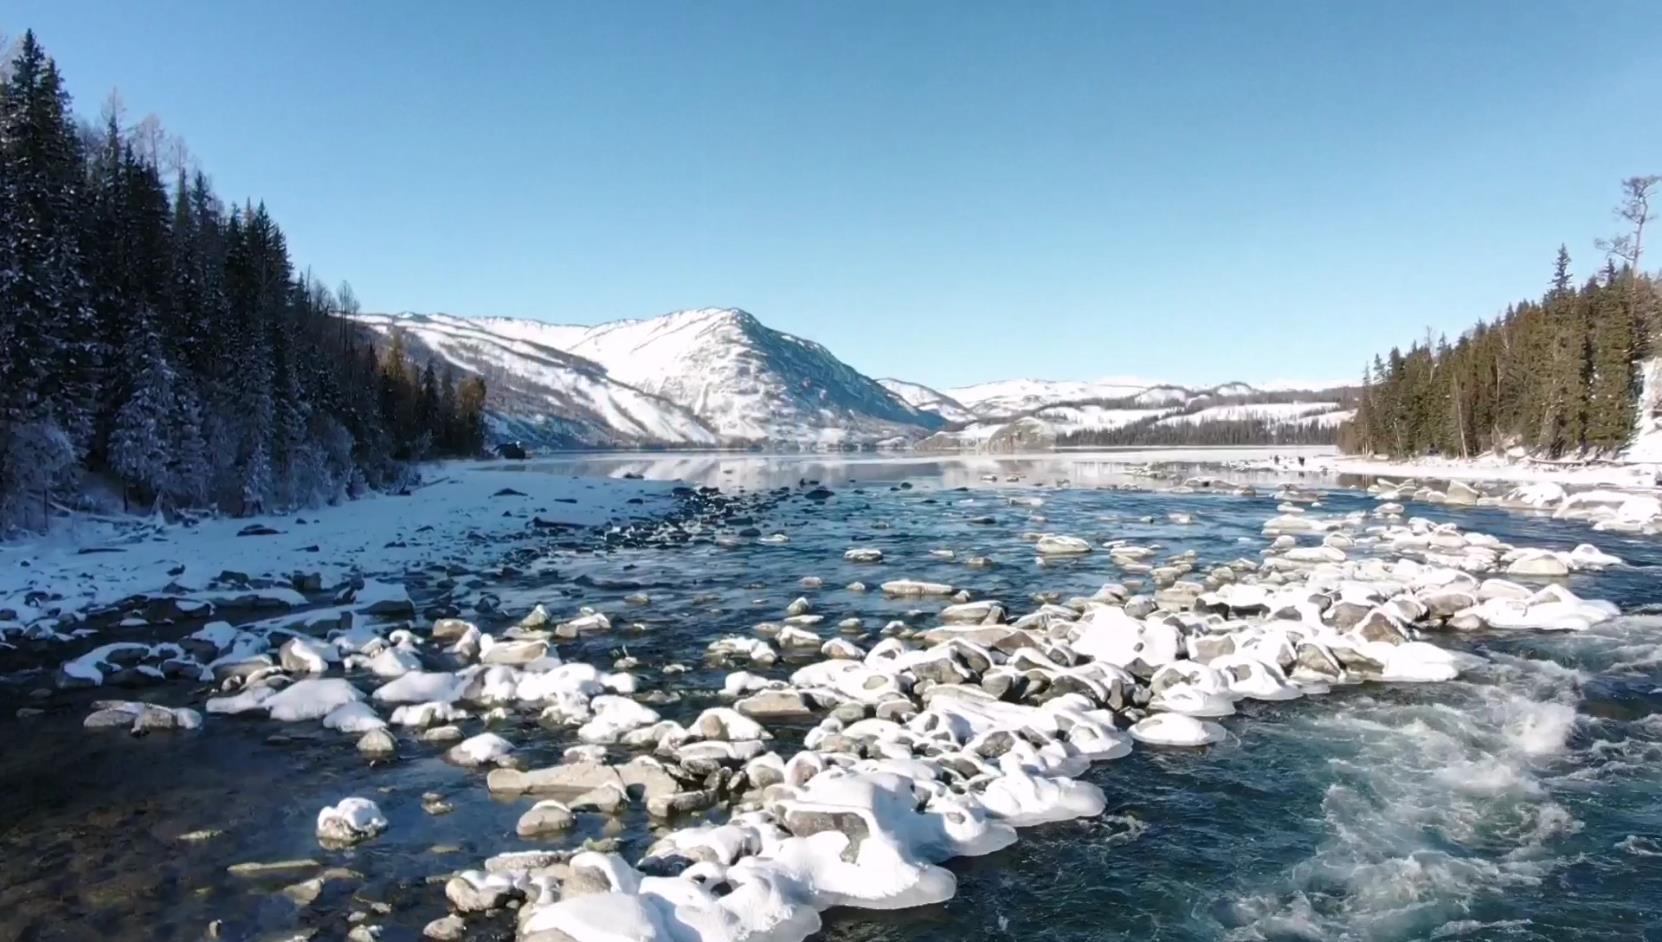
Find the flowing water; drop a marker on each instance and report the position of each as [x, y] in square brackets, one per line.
[1523, 801]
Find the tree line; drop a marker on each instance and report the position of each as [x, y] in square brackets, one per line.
[155, 339]
[1249, 431]
[1556, 376]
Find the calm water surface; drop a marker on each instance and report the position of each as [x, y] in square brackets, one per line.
[1522, 802]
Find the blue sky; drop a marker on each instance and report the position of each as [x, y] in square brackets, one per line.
[950, 192]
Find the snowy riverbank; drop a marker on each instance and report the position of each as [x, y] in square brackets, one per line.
[1496, 468]
[462, 510]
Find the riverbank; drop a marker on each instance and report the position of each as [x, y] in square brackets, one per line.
[460, 515]
[1642, 475]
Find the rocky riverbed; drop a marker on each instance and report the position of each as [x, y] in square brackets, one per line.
[915, 707]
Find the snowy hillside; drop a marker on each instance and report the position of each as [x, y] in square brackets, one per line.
[1275, 412]
[1007, 399]
[542, 395]
[701, 377]
[926, 399]
[1013, 397]
[744, 379]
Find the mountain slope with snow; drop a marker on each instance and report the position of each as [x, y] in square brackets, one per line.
[747, 381]
[1013, 397]
[541, 394]
[714, 376]
[928, 399]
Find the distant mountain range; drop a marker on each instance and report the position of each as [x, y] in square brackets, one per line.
[719, 377]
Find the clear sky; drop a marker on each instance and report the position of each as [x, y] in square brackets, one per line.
[950, 192]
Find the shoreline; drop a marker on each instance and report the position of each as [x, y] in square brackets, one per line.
[1634, 475]
[90, 563]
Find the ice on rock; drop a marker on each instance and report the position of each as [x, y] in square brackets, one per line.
[483, 749]
[1057, 545]
[393, 662]
[1175, 729]
[420, 687]
[354, 716]
[1256, 679]
[1588, 556]
[614, 716]
[1192, 701]
[89, 669]
[912, 587]
[1022, 799]
[860, 841]
[246, 701]
[1419, 662]
[1537, 563]
[761, 905]
[349, 821]
[565, 683]
[307, 655]
[311, 699]
[739, 683]
[138, 717]
[422, 715]
[1110, 635]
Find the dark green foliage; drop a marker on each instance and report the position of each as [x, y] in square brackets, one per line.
[154, 337]
[1556, 376]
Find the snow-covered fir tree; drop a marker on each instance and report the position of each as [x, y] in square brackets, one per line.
[153, 338]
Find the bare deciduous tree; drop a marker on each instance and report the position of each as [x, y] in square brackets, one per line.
[1635, 210]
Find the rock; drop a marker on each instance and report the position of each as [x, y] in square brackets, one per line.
[1175, 729]
[863, 555]
[544, 817]
[1381, 626]
[483, 749]
[1460, 493]
[378, 743]
[441, 734]
[513, 652]
[306, 892]
[668, 806]
[1317, 661]
[1537, 563]
[349, 821]
[267, 868]
[1055, 545]
[445, 928]
[774, 704]
[475, 891]
[606, 799]
[570, 778]
[646, 777]
[910, 587]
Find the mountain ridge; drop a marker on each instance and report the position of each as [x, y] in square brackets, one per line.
[700, 377]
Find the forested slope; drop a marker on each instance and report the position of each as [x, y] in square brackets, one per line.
[159, 340]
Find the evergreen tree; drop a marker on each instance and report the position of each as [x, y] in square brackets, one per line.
[138, 441]
[156, 339]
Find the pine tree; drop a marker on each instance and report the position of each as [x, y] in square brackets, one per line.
[138, 441]
[189, 469]
[48, 373]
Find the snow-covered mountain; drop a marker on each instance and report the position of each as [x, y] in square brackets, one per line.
[1025, 414]
[702, 377]
[1017, 397]
[927, 399]
[1013, 397]
[544, 395]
